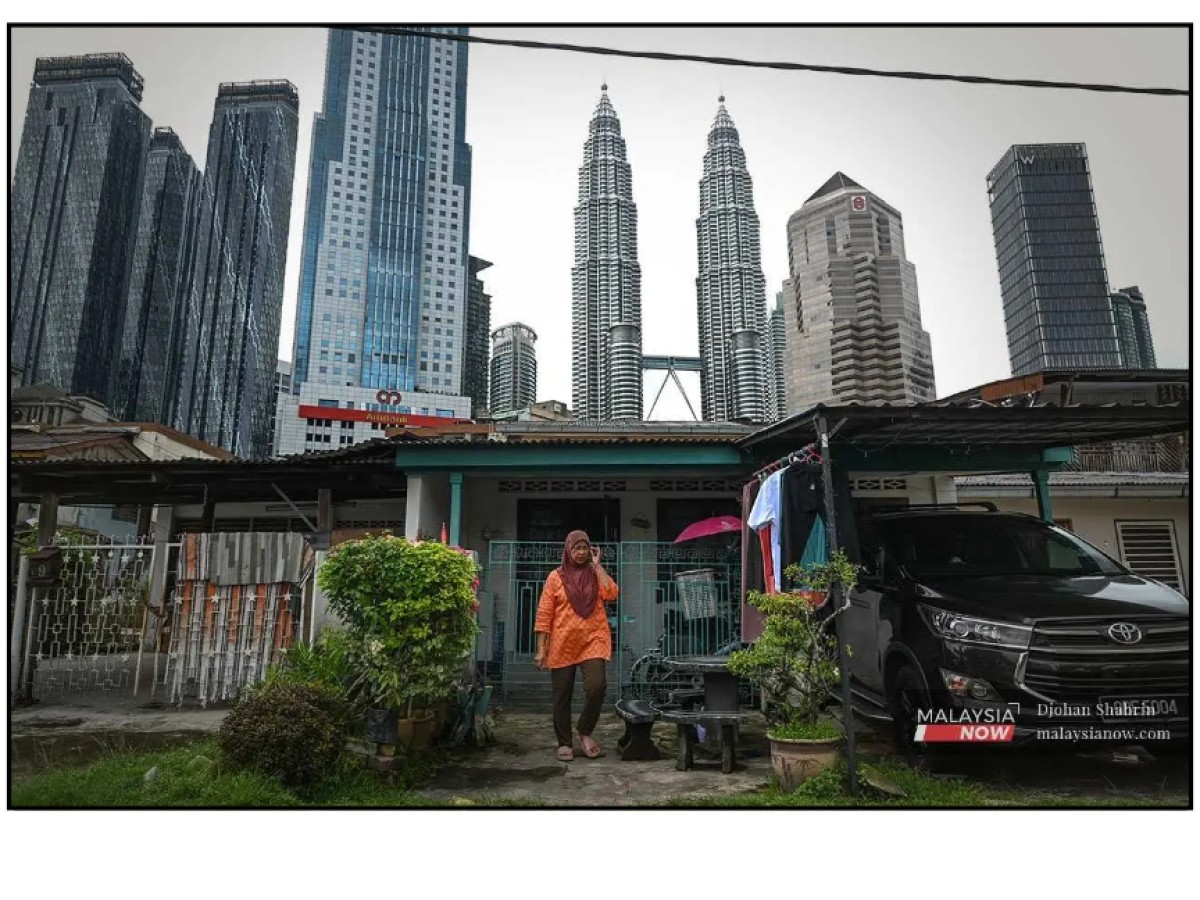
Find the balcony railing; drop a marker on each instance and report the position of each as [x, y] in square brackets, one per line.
[1170, 454]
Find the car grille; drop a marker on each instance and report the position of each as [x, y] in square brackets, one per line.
[1076, 661]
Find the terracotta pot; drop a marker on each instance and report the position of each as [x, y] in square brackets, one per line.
[416, 731]
[796, 760]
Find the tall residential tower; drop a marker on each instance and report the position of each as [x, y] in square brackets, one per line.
[1133, 329]
[382, 305]
[163, 254]
[851, 313]
[73, 206]
[606, 281]
[1051, 261]
[735, 353]
[514, 369]
[231, 326]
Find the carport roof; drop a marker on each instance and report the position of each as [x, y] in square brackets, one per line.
[983, 426]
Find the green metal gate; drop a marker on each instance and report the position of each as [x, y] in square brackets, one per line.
[674, 600]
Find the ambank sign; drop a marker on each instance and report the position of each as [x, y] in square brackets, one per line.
[372, 416]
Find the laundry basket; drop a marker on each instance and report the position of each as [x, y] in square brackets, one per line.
[697, 593]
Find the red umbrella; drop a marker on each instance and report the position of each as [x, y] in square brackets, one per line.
[708, 527]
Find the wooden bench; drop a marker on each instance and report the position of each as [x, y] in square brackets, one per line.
[726, 724]
[637, 742]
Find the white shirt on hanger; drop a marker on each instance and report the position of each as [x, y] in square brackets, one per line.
[766, 512]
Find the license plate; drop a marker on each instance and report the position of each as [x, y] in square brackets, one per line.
[1141, 709]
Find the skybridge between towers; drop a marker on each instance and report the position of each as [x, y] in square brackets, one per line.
[672, 365]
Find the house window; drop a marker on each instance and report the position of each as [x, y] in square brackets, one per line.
[1149, 547]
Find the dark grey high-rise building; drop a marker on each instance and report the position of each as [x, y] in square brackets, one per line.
[476, 330]
[1133, 329]
[163, 251]
[231, 326]
[73, 205]
[1051, 261]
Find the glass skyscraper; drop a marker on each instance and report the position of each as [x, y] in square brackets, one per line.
[231, 323]
[382, 304]
[1133, 329]
[73, 205]
[163, 252]
[1051, 261]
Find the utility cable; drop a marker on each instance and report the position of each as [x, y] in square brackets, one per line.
[786, 66]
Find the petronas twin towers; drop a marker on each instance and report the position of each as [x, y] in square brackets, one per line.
[738, 378]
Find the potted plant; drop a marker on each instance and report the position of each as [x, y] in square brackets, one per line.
[411, 606]
[794, 662]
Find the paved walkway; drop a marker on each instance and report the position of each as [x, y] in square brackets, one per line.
[521, 767]
[44, 733]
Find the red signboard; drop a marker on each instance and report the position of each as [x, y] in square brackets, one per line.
[858, 202]
[366, 415]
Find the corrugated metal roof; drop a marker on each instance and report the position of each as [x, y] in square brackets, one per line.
[563, 440]
[1079, 479]
[978, 424]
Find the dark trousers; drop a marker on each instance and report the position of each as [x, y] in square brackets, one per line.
[562, 686]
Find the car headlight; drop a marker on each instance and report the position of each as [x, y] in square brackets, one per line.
[969, 630]
[966, 686]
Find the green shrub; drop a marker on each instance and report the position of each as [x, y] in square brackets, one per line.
[327, 663]
[292, 732]
[412, 606]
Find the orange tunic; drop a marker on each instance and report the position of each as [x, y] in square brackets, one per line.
[572, 639]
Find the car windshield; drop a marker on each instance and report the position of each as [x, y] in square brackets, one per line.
[979, 545]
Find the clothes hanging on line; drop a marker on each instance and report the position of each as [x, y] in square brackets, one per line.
[765, 519]
[752, 566]
[802, 505]
[752, 572]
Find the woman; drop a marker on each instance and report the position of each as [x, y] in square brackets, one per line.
[572, 633]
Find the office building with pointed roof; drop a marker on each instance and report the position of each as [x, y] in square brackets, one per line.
[851, 314]
[606, 280]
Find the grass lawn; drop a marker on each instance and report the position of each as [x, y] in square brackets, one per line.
[921, 790]
[190, 776]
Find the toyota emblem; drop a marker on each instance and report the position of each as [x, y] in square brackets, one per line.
[1124, 632]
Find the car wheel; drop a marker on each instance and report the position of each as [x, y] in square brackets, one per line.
[908, 694]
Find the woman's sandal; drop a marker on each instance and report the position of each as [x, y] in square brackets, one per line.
[565, 754]
[591, 754]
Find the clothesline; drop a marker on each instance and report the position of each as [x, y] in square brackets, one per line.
[805, 455]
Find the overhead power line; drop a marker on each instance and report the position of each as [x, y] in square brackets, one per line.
[785, 66]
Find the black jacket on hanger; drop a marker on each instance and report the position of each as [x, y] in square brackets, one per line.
[802, 499]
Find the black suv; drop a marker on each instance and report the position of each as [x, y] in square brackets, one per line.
[974, 612]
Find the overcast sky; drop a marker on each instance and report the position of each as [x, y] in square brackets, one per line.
[923, 147]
